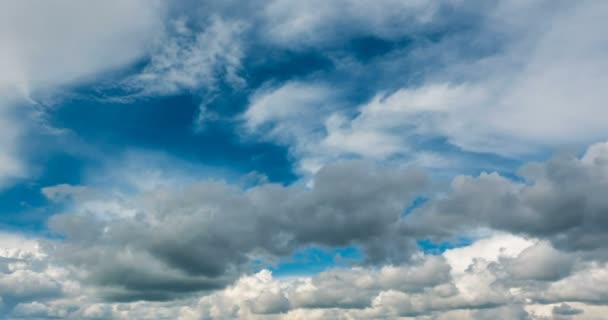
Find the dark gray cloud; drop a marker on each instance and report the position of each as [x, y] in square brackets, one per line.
[201, 236]
[426, 287]
[566, 310]
[172, 241]
[561, 200]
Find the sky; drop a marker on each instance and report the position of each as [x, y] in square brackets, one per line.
[285, 160]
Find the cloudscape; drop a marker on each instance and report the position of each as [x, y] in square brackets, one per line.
[304, 160]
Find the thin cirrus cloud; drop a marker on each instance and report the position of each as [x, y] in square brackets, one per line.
[424, 138]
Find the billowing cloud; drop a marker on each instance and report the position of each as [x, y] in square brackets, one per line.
[561, 200]
[27, 275]
[473, 281]
[478, 292]
[181, 239]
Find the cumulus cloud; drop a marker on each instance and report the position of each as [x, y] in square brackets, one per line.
[560, 200]
[540, 262]
[479, 292]
[169, 242]
[27, 275]
[426, 287]
[187, 238]
[167, 239]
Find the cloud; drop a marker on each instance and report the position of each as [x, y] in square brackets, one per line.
[26, 273]
[42, 49]
[378, 129]
[319, 23]
[566, 309]
[171, 240]
[426, 287]
[179, 239]
[139, 241]
[45, 47]
[560, 201]
[11, 166]
[290, 114]
[503, 86]
[540, 262]
[359, 293]
[187, 59]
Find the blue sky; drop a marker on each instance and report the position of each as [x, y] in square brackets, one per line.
[383, 152]
[100, 120]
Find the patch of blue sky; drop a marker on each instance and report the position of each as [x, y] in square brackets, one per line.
[166, 124]
[24, 207]
[312, 260]
[436, 248]
[277, 65]
[418, 202]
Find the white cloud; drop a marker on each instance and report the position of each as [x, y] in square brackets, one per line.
[541, 88]
[26, 273]
[291, 114]
[316, 22]
[478, 292]
[187, 59]
[488, 249]
[10, 164]
[44, 46]
[541, 94]
[50, 44]
[392, 120]
[288, 110]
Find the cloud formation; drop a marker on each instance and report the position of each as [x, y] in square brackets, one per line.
[163, 244]
[428, 287]
[559, 200]
[201, 236]
[359, 103]
[511, 101]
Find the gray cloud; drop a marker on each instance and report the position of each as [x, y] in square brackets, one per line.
[540, 262]
[201, 236]
[426, 287]
[561, 200]
[566, 310]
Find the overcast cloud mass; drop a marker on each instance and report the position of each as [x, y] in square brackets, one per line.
[347, 159]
